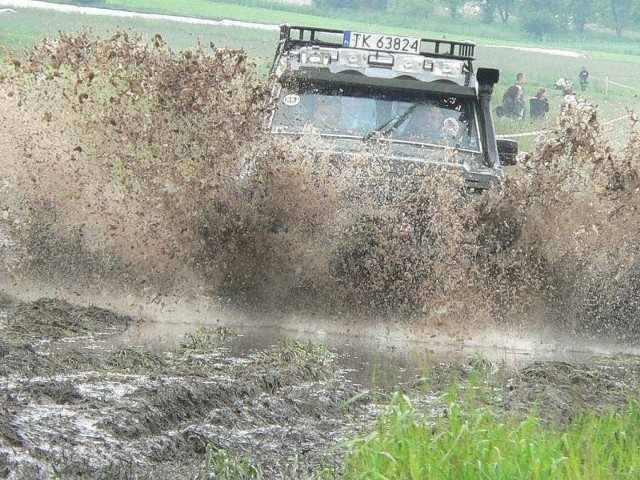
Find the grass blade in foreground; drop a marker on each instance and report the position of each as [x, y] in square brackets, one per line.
[479, 445]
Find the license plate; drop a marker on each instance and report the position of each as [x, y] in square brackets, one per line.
[385, 43]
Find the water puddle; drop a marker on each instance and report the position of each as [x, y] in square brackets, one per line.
[393, 355]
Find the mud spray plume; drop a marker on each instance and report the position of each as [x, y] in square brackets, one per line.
[129, 167]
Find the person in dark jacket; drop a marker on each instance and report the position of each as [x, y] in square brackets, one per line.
[521, 81]
[512, 106]
[584, 79]
[539, 105]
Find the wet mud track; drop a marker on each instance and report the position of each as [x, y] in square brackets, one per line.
[126, 413]
[73, 408]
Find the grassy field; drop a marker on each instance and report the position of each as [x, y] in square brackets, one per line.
[612, 76]
[427, 24]
[21, 30]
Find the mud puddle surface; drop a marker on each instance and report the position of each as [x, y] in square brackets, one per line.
[87, 393]
[383, 355]
[75, 409]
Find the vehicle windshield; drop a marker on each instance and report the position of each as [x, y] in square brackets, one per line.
[388, 115]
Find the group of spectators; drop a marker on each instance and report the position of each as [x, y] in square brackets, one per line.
[513, 101]
[514, 104]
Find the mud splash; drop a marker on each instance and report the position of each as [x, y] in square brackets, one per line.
[131, 169]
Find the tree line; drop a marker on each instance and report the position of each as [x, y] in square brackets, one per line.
[536, 17]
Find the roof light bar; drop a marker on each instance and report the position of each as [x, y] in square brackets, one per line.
[381, 59]
[445, 68]
[317, 57]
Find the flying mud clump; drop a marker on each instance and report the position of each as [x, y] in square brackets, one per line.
[129, 167]
[112, 150]
[575, 228]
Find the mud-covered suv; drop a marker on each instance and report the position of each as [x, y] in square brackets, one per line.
[417, 99]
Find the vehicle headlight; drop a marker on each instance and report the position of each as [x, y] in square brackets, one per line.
[315, 58]
[408, 63]
[354, 58]
[444, 67]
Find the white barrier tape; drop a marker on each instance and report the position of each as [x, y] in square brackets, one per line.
[625, 86]
[540, 132]
[614, 120]
[525, 134]
[606, 80]
[35, 4]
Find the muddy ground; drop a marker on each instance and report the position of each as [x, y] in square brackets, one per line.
[76, 406]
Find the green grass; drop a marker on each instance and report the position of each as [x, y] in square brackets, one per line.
[475, 443]
[472, 441]
[429, 24]
[20, 30]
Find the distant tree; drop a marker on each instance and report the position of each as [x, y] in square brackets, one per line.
[488, 9]
[454, 7]
[415, 8]
[621, 13]
[352, 4]
[540, 18]
[492, 8]
[505, 7]
[539, 24]
[374, 4]
[617, 14]
[579, 13]
[568, 14]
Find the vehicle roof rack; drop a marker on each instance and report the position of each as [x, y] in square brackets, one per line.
[292, 36]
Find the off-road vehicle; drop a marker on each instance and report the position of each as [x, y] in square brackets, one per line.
[418, 100]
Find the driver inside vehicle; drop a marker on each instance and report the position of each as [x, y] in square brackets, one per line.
[424, 124]
[328, 113]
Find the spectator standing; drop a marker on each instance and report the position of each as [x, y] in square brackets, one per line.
[584, 78]
[521, 81]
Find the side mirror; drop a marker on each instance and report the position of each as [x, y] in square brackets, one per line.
[507, 151]
[488, 76]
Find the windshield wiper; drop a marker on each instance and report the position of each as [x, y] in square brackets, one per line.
[395, 122]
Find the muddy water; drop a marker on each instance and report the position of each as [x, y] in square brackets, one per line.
[83, 401]
[373, 353]
[380, 355]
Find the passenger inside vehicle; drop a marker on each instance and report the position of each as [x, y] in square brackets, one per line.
[424, 124]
